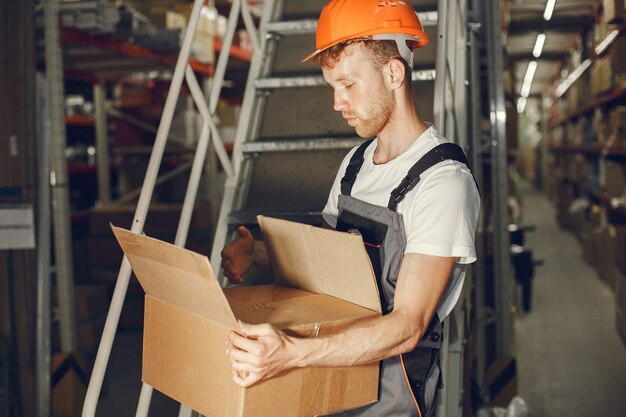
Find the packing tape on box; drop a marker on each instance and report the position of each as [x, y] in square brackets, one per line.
[332, 389]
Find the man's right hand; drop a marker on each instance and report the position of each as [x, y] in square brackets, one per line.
[238, 256]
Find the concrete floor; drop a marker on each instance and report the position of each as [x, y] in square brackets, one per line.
[571, 361]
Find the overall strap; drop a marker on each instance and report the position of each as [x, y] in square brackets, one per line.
[433, 157]
[353, 168]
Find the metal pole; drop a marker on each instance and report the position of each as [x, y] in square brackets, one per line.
[208, 128]
[218, 144]
[439, 109]
[102, 143]
[108, 335]
[497, 111]
[243, 126]
[146, 126]
[479, 269]
[60, 194]
[42, 403]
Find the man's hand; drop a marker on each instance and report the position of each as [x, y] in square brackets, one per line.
[238, 256]
[263, 353]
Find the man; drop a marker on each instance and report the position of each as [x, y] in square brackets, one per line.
[408, 192]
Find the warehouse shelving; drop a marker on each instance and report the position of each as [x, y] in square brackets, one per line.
[587, 171]
[106, 54]
[607, 151]
[618, 95]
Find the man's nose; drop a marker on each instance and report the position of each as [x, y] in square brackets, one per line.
[340, 102]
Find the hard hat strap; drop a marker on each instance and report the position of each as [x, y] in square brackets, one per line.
[401, 40]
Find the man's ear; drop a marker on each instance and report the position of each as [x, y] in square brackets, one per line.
[397, 73]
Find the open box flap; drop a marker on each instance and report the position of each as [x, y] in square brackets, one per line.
[321, 261]
[176, 275]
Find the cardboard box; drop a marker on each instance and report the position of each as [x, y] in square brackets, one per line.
[617, 52]
[324, 282]
[615, 179]
[613, 9]
[620, 248]
[620, 306]
[606, 256]
[617, 117]
[602, 79]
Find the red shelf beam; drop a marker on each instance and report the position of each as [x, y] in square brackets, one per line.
[137, 51]
[78, 120]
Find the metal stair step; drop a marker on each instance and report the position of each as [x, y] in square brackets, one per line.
[301, 145]
[242, 218]
[308, 26]
[318, 80]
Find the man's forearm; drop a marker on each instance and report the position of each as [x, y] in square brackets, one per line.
[373, 340]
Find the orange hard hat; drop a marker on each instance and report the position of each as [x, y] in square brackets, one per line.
[342, 20]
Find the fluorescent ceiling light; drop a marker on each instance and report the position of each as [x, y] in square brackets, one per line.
[606, 42]
[547, 14]
[521, 104]
[528, 78]
[541, 39]
[572, 77]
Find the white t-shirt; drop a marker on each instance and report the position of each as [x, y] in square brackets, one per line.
[440, 214]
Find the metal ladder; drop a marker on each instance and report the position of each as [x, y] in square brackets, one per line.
[290, 141]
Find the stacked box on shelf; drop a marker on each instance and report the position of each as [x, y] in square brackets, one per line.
[607, 269]
[576, 131]
[618, 56]
[591, 235]
[613, 9]
[602, 77]
[575, 95]
[620, 306]
[599, 128]
[617, 125]
[564, 197]
[620, 250]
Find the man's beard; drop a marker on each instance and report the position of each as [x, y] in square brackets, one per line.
[376, 115]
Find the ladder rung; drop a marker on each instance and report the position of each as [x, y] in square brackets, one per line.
[308, 26]
[320, 144]
[249, 219]
[289, 82]
[318, 80]
[292, 27]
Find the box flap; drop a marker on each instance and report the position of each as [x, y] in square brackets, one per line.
[176, 275]
[321, 261]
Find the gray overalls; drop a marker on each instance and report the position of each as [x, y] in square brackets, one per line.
[408, 382]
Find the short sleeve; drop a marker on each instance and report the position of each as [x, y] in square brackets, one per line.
[443, 214]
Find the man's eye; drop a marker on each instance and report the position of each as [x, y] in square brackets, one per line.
[348, 86]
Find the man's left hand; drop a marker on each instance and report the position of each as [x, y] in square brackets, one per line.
[262, 353]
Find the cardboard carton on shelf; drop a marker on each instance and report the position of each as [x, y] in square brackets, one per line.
[324, 282]
[606, 257]
[602, 77]
[620, 306]
[613, 9]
